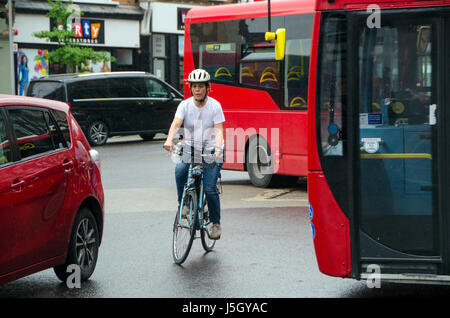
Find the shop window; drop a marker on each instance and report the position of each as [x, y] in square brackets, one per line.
[123, 56]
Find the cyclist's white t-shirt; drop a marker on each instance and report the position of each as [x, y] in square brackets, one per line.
[199, 122]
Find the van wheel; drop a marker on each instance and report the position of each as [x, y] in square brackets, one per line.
[83, 247]
[97, 133]
[147, 137]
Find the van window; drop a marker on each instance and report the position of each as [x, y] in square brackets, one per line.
[88, 89]
[156, 89]
[5, 151]
[32, 132]
[123, 87]
[49, 90]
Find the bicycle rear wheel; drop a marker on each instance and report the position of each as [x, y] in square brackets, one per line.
[207, 243]
[184, 228]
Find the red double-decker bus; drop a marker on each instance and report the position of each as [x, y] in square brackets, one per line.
[379, 139]
[264, 100]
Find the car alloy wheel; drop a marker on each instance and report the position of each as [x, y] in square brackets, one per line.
[98, 133]
[86, 244]
[83, 246]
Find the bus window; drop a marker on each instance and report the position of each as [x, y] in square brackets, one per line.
[396, 136]
[219, 61]
[331, 82]
[258, 67]
[296, 72]
[395, 75]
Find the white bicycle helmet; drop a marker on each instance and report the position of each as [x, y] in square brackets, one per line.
[199, 76]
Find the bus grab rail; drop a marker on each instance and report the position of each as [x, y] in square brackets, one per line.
[396, 155]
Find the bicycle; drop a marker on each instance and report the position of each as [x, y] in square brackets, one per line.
[193, 214]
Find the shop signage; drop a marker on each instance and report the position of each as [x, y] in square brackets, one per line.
[181, 16]
[86, 31]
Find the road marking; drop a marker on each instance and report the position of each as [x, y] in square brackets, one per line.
[164, 198]
[280, 196]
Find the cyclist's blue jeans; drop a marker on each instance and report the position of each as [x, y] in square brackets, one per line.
[211, 172]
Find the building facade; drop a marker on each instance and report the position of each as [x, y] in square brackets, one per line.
[144, 35]
[6, 49]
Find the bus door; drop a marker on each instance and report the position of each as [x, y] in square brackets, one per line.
[401, 76]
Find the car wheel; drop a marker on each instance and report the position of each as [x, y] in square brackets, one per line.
[147, 137]
[97, 133]
[83, 247]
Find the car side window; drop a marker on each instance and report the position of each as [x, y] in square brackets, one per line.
[48, 90]
[5, 150]
[89, 89]
[32, 132]
[127, 87]
[61, 121]
[57, 138]
[156, 89]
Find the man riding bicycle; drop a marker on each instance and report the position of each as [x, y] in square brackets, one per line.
[203, 120]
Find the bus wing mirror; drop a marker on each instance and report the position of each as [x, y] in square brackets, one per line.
[280, 42]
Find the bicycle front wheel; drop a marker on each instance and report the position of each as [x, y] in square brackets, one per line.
[184, 227]
[207, 243]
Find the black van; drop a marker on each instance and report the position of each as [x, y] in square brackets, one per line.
[114, 103]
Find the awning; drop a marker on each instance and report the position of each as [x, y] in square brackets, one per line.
[90, 10]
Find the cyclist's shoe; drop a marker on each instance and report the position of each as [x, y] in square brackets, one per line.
[216, 232]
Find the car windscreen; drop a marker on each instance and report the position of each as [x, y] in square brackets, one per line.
[49, 90]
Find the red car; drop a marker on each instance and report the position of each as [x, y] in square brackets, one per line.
[51, 194]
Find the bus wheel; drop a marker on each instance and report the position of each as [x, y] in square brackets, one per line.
[259, 163]
[260, 166]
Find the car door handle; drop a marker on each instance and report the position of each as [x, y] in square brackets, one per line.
[17, 185]
[67, 165]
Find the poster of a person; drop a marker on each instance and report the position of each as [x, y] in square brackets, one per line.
[23, 74]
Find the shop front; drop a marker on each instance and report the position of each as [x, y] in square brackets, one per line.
[104, 27]
[165, 34]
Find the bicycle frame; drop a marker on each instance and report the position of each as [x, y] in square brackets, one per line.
[194, 190]
[194, 182]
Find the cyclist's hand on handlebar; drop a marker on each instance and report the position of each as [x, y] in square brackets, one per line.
[168, 145]
[218, 154]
